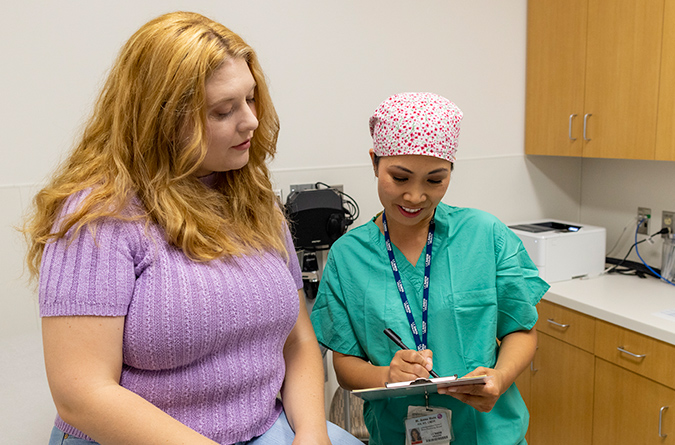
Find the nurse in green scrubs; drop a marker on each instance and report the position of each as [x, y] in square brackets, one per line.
[454, 283]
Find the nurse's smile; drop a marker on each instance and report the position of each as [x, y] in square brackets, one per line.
[409, 212]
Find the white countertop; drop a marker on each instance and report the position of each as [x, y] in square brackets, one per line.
[627, 301]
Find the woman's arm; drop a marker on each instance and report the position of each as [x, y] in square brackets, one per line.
[302, 392]
[356, 373]
[83, 359]
[515, 353]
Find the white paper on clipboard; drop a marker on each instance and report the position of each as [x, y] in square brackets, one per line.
[419, 386]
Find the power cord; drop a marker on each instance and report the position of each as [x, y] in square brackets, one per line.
[615, 268]
[350, 206]
[632, 221]
[664, 231]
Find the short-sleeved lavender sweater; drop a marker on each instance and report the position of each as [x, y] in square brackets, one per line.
[202, 341]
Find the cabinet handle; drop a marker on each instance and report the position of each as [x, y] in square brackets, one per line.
[586, 116]
[630, 353]
[569, 131]
[661, 435]
[560, 325]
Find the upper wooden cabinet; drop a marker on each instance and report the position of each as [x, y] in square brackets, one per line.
[665, 136]
[556, 67]
[593, 69]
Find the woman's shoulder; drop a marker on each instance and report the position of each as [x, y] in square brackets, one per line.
[471, 224]
[461, 215]
[127, 215]
[126, 207]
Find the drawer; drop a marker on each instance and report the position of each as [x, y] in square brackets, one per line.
[652, 358]
[567, 325]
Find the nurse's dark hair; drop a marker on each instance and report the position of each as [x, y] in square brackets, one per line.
[147, 137]
[376, 162]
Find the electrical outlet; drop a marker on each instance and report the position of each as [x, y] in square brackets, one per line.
[668, 221]
[313, 186]
[644, 214]
[301, 187]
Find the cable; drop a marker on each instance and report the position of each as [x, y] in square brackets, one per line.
[665, 231]
[620, 263]
[632, 220]
[615, 267]
[350, 206]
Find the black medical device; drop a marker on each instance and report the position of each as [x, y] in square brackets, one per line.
[318, 217]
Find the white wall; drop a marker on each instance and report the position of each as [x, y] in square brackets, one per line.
[613, 189]
[329, 65]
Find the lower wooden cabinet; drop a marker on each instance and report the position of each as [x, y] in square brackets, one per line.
[523, 384]
[561, 394]
[595, 383]
[631, 409]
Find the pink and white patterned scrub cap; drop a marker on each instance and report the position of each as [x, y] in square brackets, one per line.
[416, 124]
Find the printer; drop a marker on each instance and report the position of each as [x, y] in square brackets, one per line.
[562, 250]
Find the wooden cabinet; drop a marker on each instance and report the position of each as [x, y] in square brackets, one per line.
[630, 409]
[567, 325]
[561, 394]
[556, 67]
[634, 399]
[644, 355]
[665, 136]
[593, 382]
[523, 384]
[561, 382]
[593, 69]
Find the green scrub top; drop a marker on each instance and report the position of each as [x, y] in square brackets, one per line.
[483, 286]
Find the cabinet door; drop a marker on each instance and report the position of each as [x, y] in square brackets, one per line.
[523, 385]
[561, 394]
[622, 77]
[628, 408]
[567, 325]
[665, 135]
[556, 57]
[639, 353]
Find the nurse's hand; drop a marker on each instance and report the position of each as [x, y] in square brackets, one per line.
[409, 364]
[481, 397]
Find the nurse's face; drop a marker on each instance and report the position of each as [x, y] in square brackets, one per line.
[411, 186]
[230, 117]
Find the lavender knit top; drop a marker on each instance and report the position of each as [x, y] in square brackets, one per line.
[202, 341]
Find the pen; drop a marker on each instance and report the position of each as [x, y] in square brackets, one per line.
[396, 339]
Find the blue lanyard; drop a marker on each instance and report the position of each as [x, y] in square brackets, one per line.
[421, 344]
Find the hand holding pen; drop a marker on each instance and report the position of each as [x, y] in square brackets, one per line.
[397, 340]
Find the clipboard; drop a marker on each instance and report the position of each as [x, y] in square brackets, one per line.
[418, 387]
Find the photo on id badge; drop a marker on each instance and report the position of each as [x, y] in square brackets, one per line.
[415, 436]
[430, 429]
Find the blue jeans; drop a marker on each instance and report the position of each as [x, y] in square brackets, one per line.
[279, 434]
[58, 437]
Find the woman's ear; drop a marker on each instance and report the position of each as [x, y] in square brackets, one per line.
[372, 159]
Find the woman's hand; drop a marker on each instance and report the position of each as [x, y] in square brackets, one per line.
[357, 373]
[515, 352]
[481, 397]
[408, 364]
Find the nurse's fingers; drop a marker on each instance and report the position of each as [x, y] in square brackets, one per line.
[409, 365]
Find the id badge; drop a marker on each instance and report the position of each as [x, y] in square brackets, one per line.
[428, 426]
